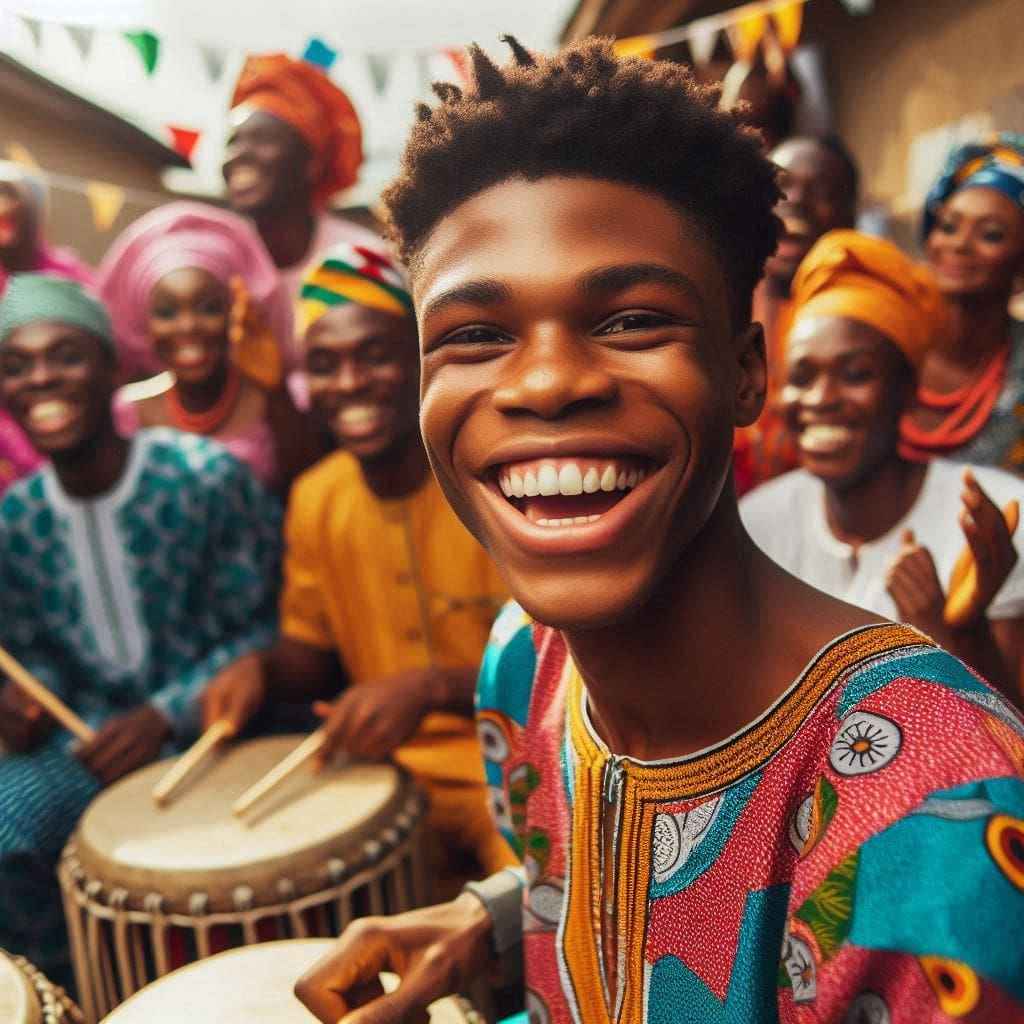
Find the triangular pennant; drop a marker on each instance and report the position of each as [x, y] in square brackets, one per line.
[18, 154]
[745, 35]
[213, 58]
[788, 21]
[148, 46]
[106, 202]
[82, 38]
[458, 58]
[184, 140]
[379, 67]
[34, 28]
[636, 46]
[702, 44]
[319, 53]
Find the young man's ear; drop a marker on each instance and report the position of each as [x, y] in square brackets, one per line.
[752, 378]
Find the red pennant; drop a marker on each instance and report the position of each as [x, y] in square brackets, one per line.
[458, 58]
[184, 140]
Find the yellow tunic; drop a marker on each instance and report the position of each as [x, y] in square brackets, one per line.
[393, 585]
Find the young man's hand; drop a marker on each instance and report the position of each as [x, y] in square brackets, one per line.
[125, 743]
[370, 719]
[990, 555]
[436, 951]
[235, 694]
[913, 582]
[23, 722]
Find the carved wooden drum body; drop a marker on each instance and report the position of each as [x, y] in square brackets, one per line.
[248, 986]
[28, 997]
[148, 889]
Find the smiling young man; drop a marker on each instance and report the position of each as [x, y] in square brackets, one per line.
[131, 573]
[858, 521]
[384, 588]
[714, 772]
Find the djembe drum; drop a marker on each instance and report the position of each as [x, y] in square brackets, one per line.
[28, 997]
[250, 986]
[147, 889]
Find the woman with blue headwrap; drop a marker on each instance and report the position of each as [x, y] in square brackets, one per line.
[970, 405]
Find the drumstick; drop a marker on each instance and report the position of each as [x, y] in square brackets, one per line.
[191, 759]
[24, 680]
[284, 769]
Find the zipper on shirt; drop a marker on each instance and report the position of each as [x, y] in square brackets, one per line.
[610, 829]
[106, 586]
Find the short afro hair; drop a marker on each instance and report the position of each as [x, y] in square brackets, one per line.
[586, 112]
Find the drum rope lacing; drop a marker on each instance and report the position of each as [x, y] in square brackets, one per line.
[56, 1005]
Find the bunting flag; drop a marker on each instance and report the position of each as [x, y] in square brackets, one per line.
[319, 53]
[380, 71]
[636, 46]
[746, 34]
[148, 46]
[183, 140]
[213, 59]
[34, 27]
[702, 44]
[106, 202]
[19, 154]
[787, 22]
[82, 38]
[458, 58]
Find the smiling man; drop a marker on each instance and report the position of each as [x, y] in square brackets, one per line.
[131, 573]
[385, 590]
[716, 775]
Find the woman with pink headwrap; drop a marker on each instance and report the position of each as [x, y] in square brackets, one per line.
[192, 291]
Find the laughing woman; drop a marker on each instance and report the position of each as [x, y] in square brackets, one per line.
[193, 292]
[971, 388]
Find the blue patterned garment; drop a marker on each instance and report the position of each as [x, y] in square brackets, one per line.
[142, 594]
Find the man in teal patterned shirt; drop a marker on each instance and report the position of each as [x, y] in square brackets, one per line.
[131, 574]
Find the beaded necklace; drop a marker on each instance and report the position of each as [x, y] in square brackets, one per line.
[968, 409]
[208, 421]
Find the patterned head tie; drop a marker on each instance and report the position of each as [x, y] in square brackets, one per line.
[996, 162]
[356, 274]
[41, 298]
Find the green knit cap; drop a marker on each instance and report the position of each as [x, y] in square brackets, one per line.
[37, 298]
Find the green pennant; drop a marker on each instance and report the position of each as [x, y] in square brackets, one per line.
[148, 46]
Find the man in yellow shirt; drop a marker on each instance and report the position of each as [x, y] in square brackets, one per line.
[386, 596]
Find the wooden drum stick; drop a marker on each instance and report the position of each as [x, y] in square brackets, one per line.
[31, 686]
[191, 759]
[283, 770]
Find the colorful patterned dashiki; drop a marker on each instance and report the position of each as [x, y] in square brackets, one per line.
[855, 855]
[142, 594]
[393, 585]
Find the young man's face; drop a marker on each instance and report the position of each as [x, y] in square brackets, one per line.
[363, 372]
[266, 164]
[846, 386]
[580, 387]
[57, 382]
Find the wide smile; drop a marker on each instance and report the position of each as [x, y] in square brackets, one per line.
[188, 354]
[570, 503]
[51, 416]
[823, 439]
[243, 178]
[358, 422]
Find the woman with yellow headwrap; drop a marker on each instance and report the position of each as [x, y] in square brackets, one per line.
[857, 520]
[295, 141]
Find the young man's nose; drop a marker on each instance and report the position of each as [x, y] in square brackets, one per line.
[350, 378]
[822, 393]
[551, 377]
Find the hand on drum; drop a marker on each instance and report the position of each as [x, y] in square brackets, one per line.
[235, 694]
[370, 719]
[23, 722]
[124, 743]
[436, 951]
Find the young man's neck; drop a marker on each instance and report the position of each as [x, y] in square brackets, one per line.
[707, 654]
[869, 509]
[287, 232]
[400, 472]
[94, 468]
[978, 328]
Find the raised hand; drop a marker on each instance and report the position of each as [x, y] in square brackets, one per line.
[255, 349]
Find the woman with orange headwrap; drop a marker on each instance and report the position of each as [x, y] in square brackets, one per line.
[857, 520]
[295, 141]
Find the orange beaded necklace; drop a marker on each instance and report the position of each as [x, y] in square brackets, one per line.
[208, 421]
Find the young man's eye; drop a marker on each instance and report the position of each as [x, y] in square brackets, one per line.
[476, 336]
[858, 375]
[993, 236]
[946, 227]
[212, 308]
[69, 357]
[13, 367]
[628, 322]
[163, 312]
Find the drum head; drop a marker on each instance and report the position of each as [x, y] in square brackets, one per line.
[251, 985]
[18, 1001]
[195, 844]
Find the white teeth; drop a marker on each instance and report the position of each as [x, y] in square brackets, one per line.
[633, 477]
[516, 484]
[48, 410]
[570, 479]
[592, 481]
[506, 487]
[547, 480]
[530, 488]
[357, 416]
[243, 177]
[576, 521]
[824, 437]
[621, 482]
[608, 479]
[580, 520]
